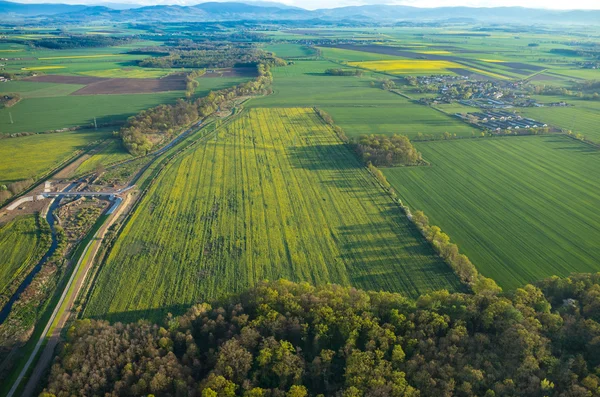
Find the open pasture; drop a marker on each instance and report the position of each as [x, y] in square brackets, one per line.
[521, 208]
[34, 155]
[273, 194]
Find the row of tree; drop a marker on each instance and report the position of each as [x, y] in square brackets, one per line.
[460, 263]
[79, 41]
[287, 339]
[344, 72]
[165, 120]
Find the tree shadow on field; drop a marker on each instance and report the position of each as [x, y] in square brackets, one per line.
[158, 315]
[401, 262]
[321, 157]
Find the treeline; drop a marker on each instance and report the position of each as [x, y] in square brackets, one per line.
[191, 83]
[329, 121]
[80, 41]
[285, 339]
[561, 91]
[14, 188]
[344, 72]
[165, 120]
[460, 263]
[224, 57]
[382, 150]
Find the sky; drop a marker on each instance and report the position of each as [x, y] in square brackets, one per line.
[314, 4]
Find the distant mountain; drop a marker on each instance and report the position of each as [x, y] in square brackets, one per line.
[7, 7]
[119, 6]
[271, 4]
[269, 11]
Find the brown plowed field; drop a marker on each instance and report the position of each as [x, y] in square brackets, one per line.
[103, 86]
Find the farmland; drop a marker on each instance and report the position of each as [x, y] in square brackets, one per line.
[58, 112]
[22, 245]
[354, 103]
[407, 66]
[273, 194]
[111, 153]
[581, 118]
[402, 117]
[520, 208]
[32, 156]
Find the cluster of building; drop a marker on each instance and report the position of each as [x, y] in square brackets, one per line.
[469, 92]
[501, 120]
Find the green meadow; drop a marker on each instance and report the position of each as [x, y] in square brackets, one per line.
[521, 208]
[32, 156]
[50, 113]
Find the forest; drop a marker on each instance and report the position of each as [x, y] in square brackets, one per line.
[287, 339]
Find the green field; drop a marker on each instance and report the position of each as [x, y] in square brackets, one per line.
[111, 153]
[31, 89]
[344, 55]
[32, 156]
[288, 50]
[275, 194]
[354, 104]
[521, 208]
[582, 118]
[43, 114]
[405, 118]
[22, 245]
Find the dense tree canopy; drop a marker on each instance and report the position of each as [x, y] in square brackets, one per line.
[383, 150]
[286, 339]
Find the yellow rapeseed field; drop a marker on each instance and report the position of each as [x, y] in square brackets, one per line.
[273, 194]
[43, 67]
[80, 56]
[407, 66]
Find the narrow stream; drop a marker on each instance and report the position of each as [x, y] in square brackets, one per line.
[51, 220]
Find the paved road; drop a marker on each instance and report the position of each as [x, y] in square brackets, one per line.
[75, 283]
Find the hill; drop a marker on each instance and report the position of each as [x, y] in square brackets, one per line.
[268, 11]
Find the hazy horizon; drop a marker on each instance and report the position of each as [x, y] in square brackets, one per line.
[320, 4]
